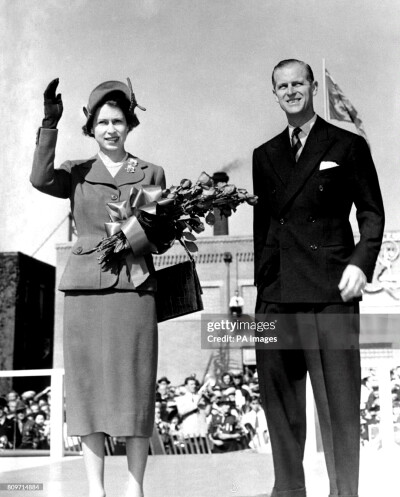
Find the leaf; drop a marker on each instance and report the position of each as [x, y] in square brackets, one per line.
[189, 236]
[210, 219]
[192, 247]
[181, 224]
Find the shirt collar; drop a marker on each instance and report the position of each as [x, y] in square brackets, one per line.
[305, 128]
[108, 162]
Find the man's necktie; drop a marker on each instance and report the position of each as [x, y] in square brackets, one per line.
[296, 143]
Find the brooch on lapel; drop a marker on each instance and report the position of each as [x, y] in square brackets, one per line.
[131, 165]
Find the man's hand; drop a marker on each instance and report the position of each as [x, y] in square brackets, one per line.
[53, 106]
[352, 282]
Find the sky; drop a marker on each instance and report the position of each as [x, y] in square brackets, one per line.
[202, 69]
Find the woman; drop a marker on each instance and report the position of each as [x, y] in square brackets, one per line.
[110, 324]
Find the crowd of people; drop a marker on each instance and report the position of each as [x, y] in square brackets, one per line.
[227, 412]
[370, 404]
[25, 420]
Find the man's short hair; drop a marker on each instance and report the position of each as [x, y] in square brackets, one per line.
[288, 62]
[191, 378]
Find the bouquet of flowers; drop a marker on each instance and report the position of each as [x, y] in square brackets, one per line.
[163, 216]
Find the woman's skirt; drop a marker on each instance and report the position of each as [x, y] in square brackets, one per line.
[110, 359]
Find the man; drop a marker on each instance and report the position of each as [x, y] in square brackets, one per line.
[255, 421]
[163, 388]
[35, 433]
[242, 395]
[191, 410]
[163, 395]
[236, 304]
[310, 277]
[225, 431]
[18, 410]
[367, 391]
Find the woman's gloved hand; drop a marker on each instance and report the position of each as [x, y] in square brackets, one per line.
[160, 230]
[53, 106]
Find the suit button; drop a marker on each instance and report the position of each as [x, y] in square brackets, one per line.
[313, 246]
[311, 219]
[282, 221]
[273, 191]
[114, 197]
[321, 188]
[78, 250]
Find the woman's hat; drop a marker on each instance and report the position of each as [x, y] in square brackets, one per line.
[20, 406]
[164, 378]
[100, 92]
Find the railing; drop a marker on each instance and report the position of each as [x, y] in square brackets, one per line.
[189, 445]
[57, 404]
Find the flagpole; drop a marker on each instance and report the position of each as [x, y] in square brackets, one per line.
[326, 117]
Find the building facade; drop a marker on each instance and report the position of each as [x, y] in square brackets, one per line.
[224, 265]
[26, 319]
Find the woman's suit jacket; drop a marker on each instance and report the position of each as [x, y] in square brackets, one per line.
[302, 234]
[89, 186]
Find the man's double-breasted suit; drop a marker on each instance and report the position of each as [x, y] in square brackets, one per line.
[302, 234]
[303, 242]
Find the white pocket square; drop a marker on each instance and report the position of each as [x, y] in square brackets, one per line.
[327, 165]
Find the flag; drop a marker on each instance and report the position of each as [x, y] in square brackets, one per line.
[340, 107]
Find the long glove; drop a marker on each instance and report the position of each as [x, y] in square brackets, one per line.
[53, 106]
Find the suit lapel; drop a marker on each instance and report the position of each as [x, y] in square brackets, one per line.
[281, 157]
[318, 142]
[95, 171]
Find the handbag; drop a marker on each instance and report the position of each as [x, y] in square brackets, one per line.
[178, 290]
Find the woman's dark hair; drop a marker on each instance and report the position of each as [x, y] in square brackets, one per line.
[114, 99]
